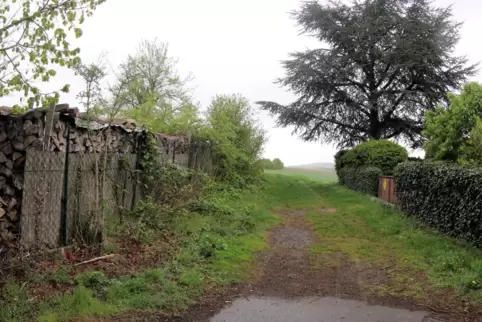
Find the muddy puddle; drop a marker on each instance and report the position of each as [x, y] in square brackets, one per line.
[313, 309]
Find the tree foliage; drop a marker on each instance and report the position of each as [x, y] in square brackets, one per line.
[236, 137]
[387, 62]
[151, 75]
[91, 98]
[275, 164]
[382, 154]
[452, 133]
[34, 36]
[154, 94]
[278, 164]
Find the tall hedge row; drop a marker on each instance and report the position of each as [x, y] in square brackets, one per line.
[443, 195]
[382, 154]
[361, 179]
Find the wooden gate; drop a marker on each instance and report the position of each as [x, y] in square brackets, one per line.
[386, 189]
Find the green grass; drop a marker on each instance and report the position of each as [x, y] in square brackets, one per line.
[217, 249]
[320, 176]
[417, 259]
[220, 241]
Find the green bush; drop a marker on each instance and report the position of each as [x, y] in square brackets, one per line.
[382, 154]
[338, 161]
[443, 195]
[415, 159]
[237, 139]
[361, 179]
[275, 164]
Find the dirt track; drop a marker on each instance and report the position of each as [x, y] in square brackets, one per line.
[288, 280]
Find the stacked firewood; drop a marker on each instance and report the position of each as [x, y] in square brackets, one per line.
[17, 135]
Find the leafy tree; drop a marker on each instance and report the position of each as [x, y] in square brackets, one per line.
[34, 35]
[471, 151]
[275, 164]
[382, 154]
[278, 164]
[153, 92]
[185, 120]
[237, 139]
[91, 98]
[266, 164]
[387, 62]
[451, 130]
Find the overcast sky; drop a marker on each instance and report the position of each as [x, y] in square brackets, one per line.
[230, 47]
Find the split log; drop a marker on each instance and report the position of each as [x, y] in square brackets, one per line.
[59, 126]
[13, 131]
[38, 143]
[2, 212]
[12, 203]
[19, 163]
[6, 148]
[16, 155]
[18, 146]
[3, 135]
[9, 191]
[5, 225]
[27, 124]
[3, 158]
[13, 215]
[18, 181]
[9, 164]
[3, 182]
[34, 114]
[29, 140]
[33, 130]
[6, 172]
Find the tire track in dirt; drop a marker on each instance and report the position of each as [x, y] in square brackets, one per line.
[286, 270]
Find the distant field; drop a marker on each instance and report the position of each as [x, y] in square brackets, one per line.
[313, 174]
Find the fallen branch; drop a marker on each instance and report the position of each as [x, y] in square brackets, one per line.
[95, 259]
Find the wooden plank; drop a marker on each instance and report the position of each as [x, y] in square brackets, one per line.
[48, 127]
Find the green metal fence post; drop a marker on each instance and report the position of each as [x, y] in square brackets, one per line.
[63, 212]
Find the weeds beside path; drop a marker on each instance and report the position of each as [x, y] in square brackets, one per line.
[323, 240]
[336, 242]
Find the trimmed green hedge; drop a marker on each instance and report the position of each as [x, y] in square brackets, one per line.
[382, 154]
[361, 179]
[443, 195]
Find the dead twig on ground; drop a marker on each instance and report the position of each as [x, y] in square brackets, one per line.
[95, 259]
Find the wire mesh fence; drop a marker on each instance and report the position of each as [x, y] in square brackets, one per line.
[65, 198]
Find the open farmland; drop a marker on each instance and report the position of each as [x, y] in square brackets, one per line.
[320, 175]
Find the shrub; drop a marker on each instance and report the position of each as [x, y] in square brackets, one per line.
[266, 164]
[278, 164]
[338, 161]
[382, 154]
[275, 164]
[237, 140]
[361, 179]
[443, 195]
[415, 159]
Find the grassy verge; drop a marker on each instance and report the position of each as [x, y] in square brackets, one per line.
[416, 260]
[216, 244]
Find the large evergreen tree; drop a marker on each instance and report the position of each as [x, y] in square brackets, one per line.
[386, 62]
